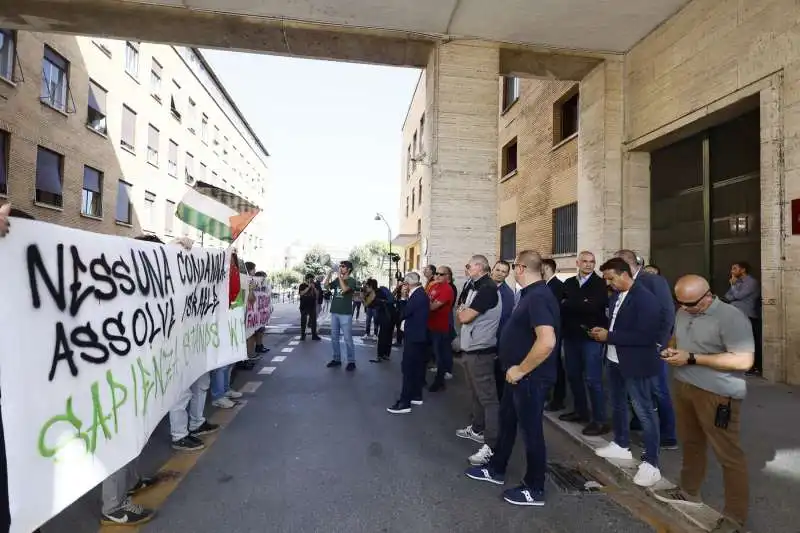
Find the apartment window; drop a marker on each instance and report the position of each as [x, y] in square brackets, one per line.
[172, 163]
[406, 206]
[5, 149]
[419, 192]
[153, 139]
[49, 177]
[216, 136]
[414, 145]
[565, 116]
[124, 211]
[128, 138]
[510, 91]
[204, 129]
[132, 58]
[214, 178]
[169, 216]
[55, 71]
[413, 197]
[408, 162]
[421, 134]
[92, 193]
[192, 115]
[565, 229]
[174, 101]
[510, 157]
[508, 242]
[96, 111]
[203, 170]
[8, 54]
[102, 46]
[149, 210]
[189, 167]
[419, 226]
[155, 80]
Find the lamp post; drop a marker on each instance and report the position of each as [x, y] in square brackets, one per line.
[378, 216]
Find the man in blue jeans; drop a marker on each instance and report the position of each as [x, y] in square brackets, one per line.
[634, 366]
[342, 289]
[583, 308]
[659, 287]
[527, 355]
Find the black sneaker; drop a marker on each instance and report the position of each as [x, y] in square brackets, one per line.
[261, 349]
[188, 444]
[351, 367]
[334, 364]
[206, 429]
[143, 484]
[302, 337]
[574, 417]
[399, 408]
[316, 338]
[129, 514]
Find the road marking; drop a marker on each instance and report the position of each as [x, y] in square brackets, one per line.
[297, 337]
[278, 359]
[287, 350]
[176, 468]
[294, 343]
[267, 370]
[251, 386]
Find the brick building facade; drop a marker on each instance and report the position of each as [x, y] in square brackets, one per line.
[106, 135]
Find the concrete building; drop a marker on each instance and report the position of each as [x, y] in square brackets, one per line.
[106, 135]
[688, 123]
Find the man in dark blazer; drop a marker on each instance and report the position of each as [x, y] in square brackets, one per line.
[634, 366]
[583, 308]
[415, 346]
[660, 288]
[559, 393]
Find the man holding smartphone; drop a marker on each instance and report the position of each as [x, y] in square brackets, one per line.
[714, 348]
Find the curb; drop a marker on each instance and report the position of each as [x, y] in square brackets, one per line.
[703, 517]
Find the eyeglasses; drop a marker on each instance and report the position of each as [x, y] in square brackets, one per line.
[694, 303]
[442, 273]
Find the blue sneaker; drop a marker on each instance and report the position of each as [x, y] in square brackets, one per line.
[523, 495]
[484, 473]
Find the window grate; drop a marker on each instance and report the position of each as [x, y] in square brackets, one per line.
[565, 229]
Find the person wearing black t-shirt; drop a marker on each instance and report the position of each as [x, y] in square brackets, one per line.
[308, 307]
[526, 353]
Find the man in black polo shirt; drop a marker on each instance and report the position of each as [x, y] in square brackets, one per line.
[527, 354]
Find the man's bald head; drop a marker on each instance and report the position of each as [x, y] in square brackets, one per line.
[629, 256]
[692, 289]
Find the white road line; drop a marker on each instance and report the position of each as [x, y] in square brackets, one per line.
[297, 337]
[287, 350]
[267, 370]
[251, 386]
[278, 359]
[294, 343]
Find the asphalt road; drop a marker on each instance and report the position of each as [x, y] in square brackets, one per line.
[314, 450]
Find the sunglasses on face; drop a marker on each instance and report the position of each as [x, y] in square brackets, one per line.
[692, 304]
[442, 273]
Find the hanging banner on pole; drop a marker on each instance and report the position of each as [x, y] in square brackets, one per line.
[102, 335]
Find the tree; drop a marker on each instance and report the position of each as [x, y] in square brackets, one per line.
[369, 260]
[285, 278]
[317, 261]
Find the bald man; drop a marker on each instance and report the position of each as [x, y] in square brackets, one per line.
[714, 347]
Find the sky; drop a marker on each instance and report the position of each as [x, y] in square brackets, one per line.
[333, 131]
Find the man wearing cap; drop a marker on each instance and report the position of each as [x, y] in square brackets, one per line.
[342, 289]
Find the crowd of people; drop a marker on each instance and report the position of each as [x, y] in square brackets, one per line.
[525, 337]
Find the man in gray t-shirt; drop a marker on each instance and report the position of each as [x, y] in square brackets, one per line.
[714, 346]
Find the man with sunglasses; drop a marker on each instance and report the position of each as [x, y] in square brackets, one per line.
[714, 348]
[442, 299]
[342, 290]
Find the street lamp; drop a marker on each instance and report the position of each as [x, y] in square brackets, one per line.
[378, 216]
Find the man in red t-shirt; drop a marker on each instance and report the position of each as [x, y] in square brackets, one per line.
[442, 298]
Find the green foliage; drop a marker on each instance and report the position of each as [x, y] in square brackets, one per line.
[369, 260]
[317, 261]
[285, 278]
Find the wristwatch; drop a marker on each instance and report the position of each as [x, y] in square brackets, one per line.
[692, 359]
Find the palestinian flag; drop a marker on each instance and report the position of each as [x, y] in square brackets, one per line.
[216, 212]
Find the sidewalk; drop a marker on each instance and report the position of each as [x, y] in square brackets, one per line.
[771, 442]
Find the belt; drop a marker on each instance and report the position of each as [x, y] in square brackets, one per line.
[485, 351]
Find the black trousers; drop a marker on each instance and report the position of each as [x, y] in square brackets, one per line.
[758, 357]
[560, 388]
[385, 331]
[414, 359]
[308, 317]
[5, 512]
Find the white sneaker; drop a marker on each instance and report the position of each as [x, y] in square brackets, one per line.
[448, 375]
[223, 403]
[233, 394]
[433, 369]
[647, 475]
[614, 451]
[469, 433]
[482, 456]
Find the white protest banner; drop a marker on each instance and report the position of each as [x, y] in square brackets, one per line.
[259, 309]
[101, 334]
